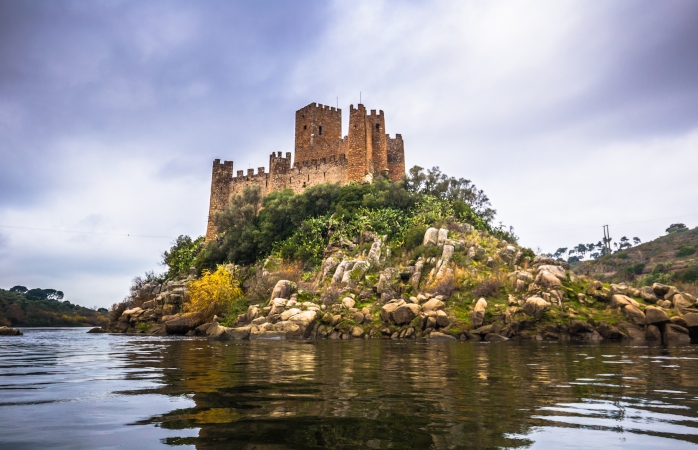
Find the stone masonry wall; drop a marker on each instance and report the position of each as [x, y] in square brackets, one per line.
[321, 156]
[318, 133]
[396, 157]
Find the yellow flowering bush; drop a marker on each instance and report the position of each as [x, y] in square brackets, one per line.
[214, 293]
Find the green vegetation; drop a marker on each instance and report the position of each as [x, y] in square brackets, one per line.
[676, 228]
[20, 306]
[300, 226]
[180, 257]
[685, 250]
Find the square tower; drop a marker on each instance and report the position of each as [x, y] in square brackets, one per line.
[318, 133]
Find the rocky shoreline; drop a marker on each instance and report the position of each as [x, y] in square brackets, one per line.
[7, 331]
[364, 296]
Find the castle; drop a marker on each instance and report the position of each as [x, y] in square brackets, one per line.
[321, 156]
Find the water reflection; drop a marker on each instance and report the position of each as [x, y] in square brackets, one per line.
[147, 392]
[384, 394]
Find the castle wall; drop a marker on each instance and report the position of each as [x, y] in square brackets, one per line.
[303, 176]
[320, 157]
[395, 157]
[220, 193]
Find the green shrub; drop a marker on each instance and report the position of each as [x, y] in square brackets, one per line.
[689, 275]
[414, 237]
[632, 271]
[685, 250]
[180, 257]
[427, 252]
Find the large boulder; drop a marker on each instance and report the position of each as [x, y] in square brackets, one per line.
[182, 324]
[433, 305]
[277, 306]
[660, 289]
[416, 275]
[676, 334]
[290, 329]
[652, 333]
[344, 266]
[7, 331]
[348, 302]
[353, 277]
[508, 253]
[634, 314]
[252, 314]
[283, 289]
[387, 310]
[329, 265]
[431, 237]
[558, 271]
[681, 302]
[305, 321]
[654, 315]
[548, 280]
[405, 314]
[535, 306]
[543, 259]
[216, 332]
[239, 333]
[620, 301]
[442, 319]
[387, 281]
[357, 332]
[374, 254]
[578, 327]
[477, 317]
[437, 337]
[647, 294]
[441, 236]
[289, 313]
[691, 319]
[131, 314]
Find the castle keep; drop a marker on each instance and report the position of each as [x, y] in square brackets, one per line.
[321, 155]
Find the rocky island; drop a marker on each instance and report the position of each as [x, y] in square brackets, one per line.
[476, 287]
[345, 245]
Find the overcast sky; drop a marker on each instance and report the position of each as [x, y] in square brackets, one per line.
[568, 114]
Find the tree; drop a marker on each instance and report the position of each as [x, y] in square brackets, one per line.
[636, 240]
[19, 289]
[180, 257]
[560, 251]
[676, 228]
[624, 243]
[581, 250]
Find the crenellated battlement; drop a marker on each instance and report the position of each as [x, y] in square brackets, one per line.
[322, 155]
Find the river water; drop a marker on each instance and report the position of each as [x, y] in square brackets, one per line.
[63, 388]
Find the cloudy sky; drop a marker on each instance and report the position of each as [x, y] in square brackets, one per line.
[568, 114]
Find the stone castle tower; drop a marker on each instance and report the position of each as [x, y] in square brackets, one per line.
[321, 155]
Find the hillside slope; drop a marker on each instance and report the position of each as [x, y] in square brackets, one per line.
[668, 259]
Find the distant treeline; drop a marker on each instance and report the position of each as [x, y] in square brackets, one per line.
[44, 308]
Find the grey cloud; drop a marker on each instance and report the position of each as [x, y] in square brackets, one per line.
[135, 71]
